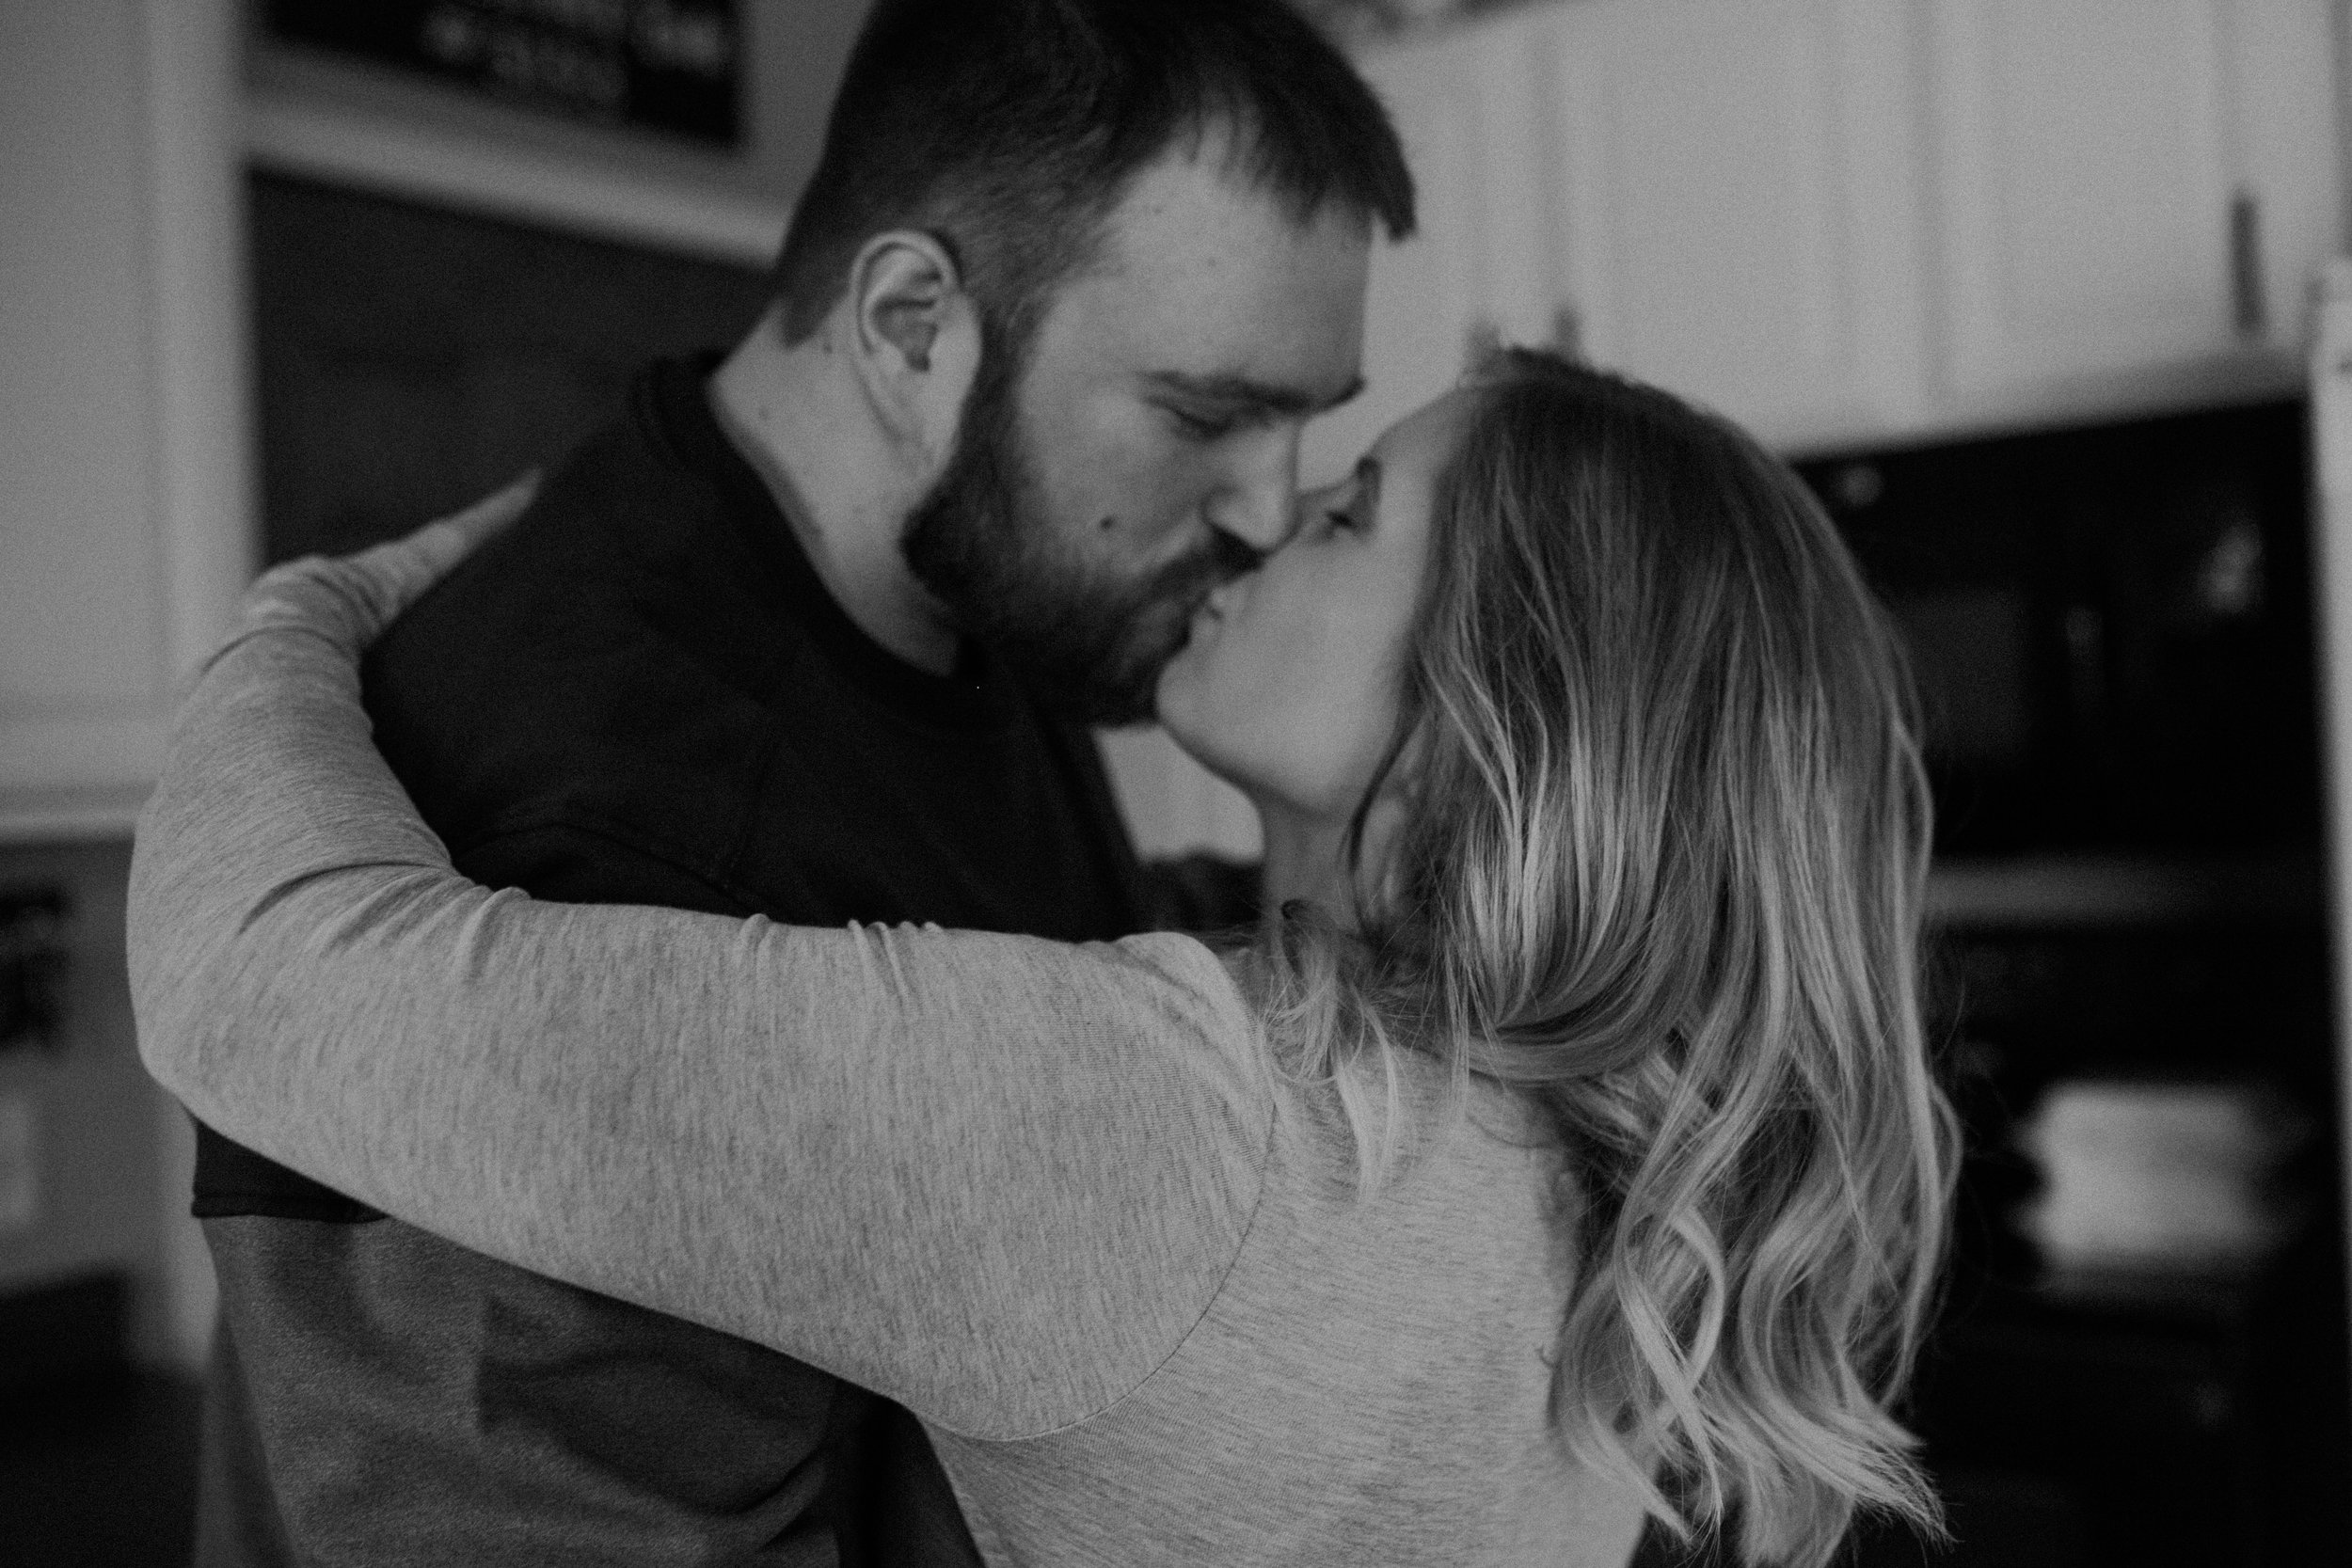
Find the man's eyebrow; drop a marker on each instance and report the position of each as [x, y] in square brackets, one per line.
[1260, 396]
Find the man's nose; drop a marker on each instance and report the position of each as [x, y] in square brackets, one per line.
[1258, 504]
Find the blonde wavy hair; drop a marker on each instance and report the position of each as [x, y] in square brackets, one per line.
[1660, 871]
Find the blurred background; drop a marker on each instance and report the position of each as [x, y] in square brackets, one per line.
[2038, 294]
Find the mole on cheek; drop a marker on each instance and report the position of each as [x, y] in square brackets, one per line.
[1107, 524]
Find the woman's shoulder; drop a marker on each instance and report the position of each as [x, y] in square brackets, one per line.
[1174, 995]
[1416, 1184]
[1220, 974]
[1396, 1127]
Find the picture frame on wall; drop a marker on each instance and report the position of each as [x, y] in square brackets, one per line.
[672, 68]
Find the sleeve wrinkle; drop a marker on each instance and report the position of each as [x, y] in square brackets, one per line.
[299, 884]
[479, 936]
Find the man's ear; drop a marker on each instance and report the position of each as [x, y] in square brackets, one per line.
[917, 341]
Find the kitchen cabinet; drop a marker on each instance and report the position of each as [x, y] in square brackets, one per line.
[124, 533]
[2131, 197]
[1479, 269]
[1717, 195]
[1845, 221]
[1735, 213]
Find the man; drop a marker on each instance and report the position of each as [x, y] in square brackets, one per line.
[815, 632]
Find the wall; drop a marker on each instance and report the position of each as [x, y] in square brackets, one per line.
[105, 1137]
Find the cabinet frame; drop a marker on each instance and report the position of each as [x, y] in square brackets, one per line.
[81, 769]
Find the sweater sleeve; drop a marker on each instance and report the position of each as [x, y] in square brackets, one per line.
[993, 1178]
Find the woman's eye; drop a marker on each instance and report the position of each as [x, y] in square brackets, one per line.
[1206, 427]
[1346, 513]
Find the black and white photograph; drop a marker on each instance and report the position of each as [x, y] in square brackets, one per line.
[1193, 784]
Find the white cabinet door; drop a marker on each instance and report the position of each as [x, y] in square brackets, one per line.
[2130, 196]
[123, 526]
[1467, 106]
[1736, 205]
[81, 623]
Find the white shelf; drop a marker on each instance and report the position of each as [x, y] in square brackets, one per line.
[400, 158]
[2086, 891]
[82, 816]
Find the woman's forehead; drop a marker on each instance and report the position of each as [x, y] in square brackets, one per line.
[1423, 439]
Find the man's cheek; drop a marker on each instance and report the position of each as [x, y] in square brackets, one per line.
[1152, 521]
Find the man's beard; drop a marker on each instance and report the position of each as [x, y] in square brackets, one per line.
[1086, 642]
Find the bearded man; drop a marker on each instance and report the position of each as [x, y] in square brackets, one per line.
[817, 631]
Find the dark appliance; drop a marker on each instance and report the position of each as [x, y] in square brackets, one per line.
[2112, 631]
[2110, 627]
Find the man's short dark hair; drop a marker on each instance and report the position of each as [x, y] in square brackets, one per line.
[1010, 129]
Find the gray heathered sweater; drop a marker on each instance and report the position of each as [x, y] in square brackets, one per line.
[1053, 1199]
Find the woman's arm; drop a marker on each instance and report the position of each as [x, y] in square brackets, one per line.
[994, 1177]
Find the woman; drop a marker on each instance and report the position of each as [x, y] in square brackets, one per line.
[1563, 1150]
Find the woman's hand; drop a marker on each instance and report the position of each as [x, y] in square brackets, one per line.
[350, 599]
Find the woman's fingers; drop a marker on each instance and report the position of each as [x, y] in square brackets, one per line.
[397, 574]
[350, 599]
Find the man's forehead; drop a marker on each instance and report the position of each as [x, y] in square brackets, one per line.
[1210, 288]
[1185, 210]
[1237, 293]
